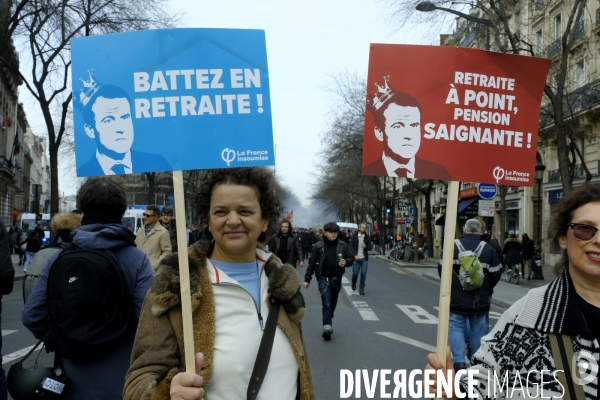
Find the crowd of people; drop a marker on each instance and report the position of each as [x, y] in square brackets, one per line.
[244, 283]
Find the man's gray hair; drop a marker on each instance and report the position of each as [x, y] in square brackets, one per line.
[473, 226]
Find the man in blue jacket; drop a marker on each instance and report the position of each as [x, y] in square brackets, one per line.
[471, 305]
[103, 202]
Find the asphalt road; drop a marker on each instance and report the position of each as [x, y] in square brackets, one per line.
[393, 326]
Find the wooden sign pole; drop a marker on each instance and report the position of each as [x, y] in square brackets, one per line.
[446, 278]
[184, 273]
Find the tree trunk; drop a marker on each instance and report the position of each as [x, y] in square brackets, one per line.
[151, 184]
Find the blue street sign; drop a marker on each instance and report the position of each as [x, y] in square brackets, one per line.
[411, 211]
[171, 99]
[408, 220]
[487, 191]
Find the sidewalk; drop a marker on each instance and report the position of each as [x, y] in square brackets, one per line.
[19, 273]
[505, 294]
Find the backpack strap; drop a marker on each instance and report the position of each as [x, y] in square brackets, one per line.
[479, 248]
[562, 351]
[264, 352]
[458, 244]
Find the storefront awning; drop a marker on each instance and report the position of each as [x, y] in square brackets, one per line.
[463, 204]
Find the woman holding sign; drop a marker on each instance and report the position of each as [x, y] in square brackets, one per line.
[235, 287]
[554, 330]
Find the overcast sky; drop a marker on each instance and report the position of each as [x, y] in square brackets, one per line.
[307, 42]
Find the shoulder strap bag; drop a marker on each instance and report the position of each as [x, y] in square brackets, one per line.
[562, 351]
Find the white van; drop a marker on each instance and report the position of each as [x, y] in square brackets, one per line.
[28, 221]
[347, 225]
[133, 220]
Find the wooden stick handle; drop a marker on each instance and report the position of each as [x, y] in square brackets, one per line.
[446, 278]
[184, 273]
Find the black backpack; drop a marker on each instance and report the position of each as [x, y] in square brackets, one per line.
[90, 307]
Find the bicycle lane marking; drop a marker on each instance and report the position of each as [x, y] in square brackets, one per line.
[408, 340]
[365, 312]
[348, 287]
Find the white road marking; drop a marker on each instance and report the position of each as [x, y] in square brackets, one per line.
[349, 291]
[408, 340]
[7, 332]
[345, 280]
[365, 312]
[418, 314]
[17, 354]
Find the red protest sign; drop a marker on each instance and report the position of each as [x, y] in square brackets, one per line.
[452, 114]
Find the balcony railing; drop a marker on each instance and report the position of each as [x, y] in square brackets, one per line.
[554, 175]
[579, 30]
[7, 168]
[585, 97]
[554, 48]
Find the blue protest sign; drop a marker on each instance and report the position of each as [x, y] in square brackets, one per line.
[487, 190]
[172, 99]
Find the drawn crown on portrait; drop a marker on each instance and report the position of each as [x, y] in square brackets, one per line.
[90, 88]
[384, 93]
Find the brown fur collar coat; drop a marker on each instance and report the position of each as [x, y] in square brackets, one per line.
[157, 354]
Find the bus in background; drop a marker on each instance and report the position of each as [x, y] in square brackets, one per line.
[28, 221]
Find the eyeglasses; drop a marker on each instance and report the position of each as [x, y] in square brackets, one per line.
[583, 232]
[148, 215]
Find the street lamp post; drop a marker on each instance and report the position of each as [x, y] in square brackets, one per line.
[427, 6]
[539, 177]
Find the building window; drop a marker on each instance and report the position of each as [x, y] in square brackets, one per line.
[580, 143]
[579, 74]
[558, 26]
[539, 43]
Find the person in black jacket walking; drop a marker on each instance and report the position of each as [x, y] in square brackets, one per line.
[512, 251]
[285, 245]
[328, 261]
[527, 252]
[360, 244]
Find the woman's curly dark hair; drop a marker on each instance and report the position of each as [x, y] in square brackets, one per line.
[559, 224]
[260, 178]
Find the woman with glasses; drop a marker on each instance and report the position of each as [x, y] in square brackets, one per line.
[554, 330]
[235, 286]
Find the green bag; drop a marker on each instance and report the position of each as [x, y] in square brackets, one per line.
[470, 273]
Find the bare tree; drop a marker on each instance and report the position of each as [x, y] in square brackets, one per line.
[505, 31]
[46, 28]
[341, 186]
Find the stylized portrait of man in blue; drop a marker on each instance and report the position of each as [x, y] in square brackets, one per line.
[106, 111]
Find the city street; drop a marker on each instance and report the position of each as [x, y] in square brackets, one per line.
[392, 327]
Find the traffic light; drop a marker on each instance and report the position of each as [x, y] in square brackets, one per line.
[388, 206]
